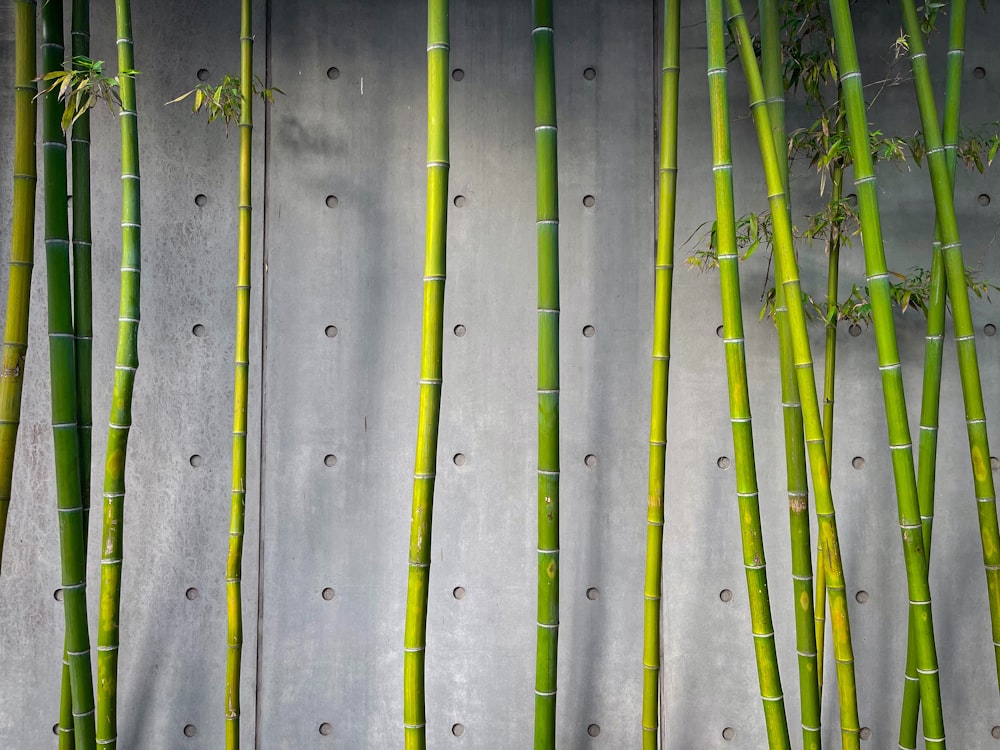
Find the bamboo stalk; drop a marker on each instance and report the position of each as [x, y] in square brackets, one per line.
[62, 363]
[964, 332]
[891, 370]
[22, 251]
[795, 453]
[237, 517]
[739, 394]
[415, 635]
[547, 203]
[126, 362]
[664, 272]
[802, 356]
[933, 359]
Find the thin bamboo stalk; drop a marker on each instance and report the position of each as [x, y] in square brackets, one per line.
[795, 452]
[739, 393]
[425, 470]
[802, 356]
[62, 363]
[891, 370]
[547, 203]
[22, 251]
[126, 363]
[237, 515]
[968, 361]
[933, 359]
[664, 272]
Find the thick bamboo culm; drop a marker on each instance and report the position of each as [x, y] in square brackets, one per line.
[22, 250]
[965, 339]
[809, 399]
[547, 204]
[795, 451]
[933, 360]
[739, 392]
[664, 272]
[62, 363]
[237, 513]
[126, 362]
[891, 373]
[425, 464]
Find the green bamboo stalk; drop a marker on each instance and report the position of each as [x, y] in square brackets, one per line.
[62, 362]
[664, 273]
[819, 468]
[126, 363]
[951, 249]
[739, 393]
[933, 357]
[547, 202]
[795, 452]
[415, 635]
[237, 516]
[22, 251]
[891, 370]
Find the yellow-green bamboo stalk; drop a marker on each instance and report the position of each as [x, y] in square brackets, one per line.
[968, 361]
[237, 514]
[914, 555]
[664, 272]
[425, 469]
[62, 365]
[795, 452]
[739, 392]
[22, 251]
[933, 360]
[547, 204]
[802, 356]
[126, 363]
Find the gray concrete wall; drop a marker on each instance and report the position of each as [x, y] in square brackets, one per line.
[333, 418]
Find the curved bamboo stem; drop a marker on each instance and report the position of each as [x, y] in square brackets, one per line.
[891, 372]
[22, 251]
[237, 514]
[795, 451]
[739, 393]
[933, 359]
[62, 363]
[664, 272]
[425, 470]
[547, 202]
[802, 356]
[126, 362]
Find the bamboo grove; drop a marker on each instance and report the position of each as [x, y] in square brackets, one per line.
[768, 46]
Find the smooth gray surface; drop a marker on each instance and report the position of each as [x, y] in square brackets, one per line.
[357, 266]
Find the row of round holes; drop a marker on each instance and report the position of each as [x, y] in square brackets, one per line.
[333, 73]
[459, 459]
[858, 462]
[990, 329]
[459, 201]
[861, 597]
[331, 331]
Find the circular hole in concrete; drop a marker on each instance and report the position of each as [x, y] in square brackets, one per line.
[328, 594]
[980, 73]
[995, 733]
[589, 201]
[720, 332]
[190, 730]
[198, 330]
[332, 201]
[192, 593]
[326, 729]
[458, 592]
[333, 73]
[861, 597]
[458, 729]
[723, 462]
[593, 593]
[57, 595]
[590, 460]
[203, 74]
[865, 733]
[858, 463]
[725, 595]
[458, 74]
[330, 460]
[196, 460]
[200, 200]
[852, 199]
[984, 199]
[331, 332]
[728, 733]
[460, 201]
[854, 329]
[589, 331]
[459, 459]
[594, 730]
[459, 330]
[994, 463]
[55, 728]
[990, 329]
[590, 73]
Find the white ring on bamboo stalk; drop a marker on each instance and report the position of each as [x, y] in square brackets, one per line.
[115, 561]
[62, 336]
[74, 509]
[910, 526]
[547, 221]
[114, 494]
[85, 713]
[414, 649]
[53, 45]
[956, 51]
[975, 421]
[107, 648]
[936, 337]
[755, 567]
[935, 741]
[124, 40]
[807, 654]
[722, 166]
[128, 320]
[541, 28]
[892, 366]
[926, 671]
[738, 340]
[548, 391]
[128, 112]
[544, 694]
[901, 447]
[414, 726]
[108, 742]
[808, 728]
[801, 577]
[85, 652]
[130, 177]
[425, 476]
[911, 679]
[986, 499]
[772, 698]
[661, 357]
[49, 144]
[652, 667]
[951, 245]
[127, 368]
[422, 381]
[134, 224]
[740, 419]
[717, 71]
[851, 74]
[439, 45]
[747, 494]
[650, 598]
[919, 604]
[965, 338]
[114, 426]
[547, 551]
[546, 127]
[548, 626]
[419, 564]
[432, 164]
[935, 150]
[440, 277]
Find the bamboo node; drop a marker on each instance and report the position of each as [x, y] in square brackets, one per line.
[716, 71]
[864, 179]
[849, 75]
[918, 55]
